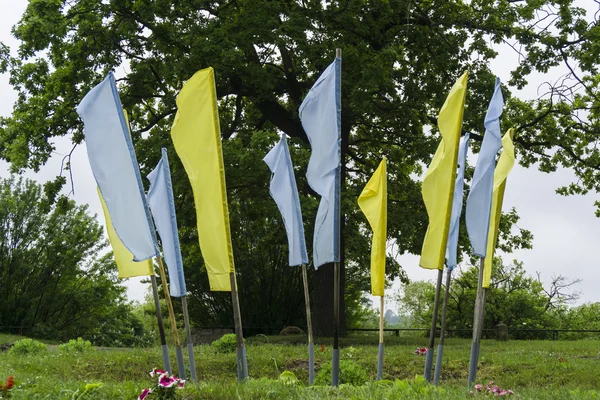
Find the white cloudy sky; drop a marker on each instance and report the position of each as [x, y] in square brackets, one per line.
[565, 229]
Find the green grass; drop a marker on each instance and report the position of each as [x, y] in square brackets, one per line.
[533, 369]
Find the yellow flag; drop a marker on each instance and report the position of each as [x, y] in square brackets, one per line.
[123, 257]
[438, 184]
[373, 203]
[197, 138]
[505, 164]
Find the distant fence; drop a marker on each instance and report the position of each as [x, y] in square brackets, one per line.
[513, 333]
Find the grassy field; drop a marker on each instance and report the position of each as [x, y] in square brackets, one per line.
[532, 369]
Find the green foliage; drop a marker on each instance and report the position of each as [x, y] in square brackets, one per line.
[226, 344]
[78, 345]
[53, 280]
[513, 298]
[26, 347]
[350, 373]
[418, 386]
[289, 378]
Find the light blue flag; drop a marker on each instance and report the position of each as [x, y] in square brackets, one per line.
[457, 203]
[284, 191]
[479, 202]
[115, 168]
[320, 114]
[162, 204]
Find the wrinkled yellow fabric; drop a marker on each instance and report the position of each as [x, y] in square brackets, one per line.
[438, 184]
[197, 138]
[504, 166]
[123, 257]
[373, 203]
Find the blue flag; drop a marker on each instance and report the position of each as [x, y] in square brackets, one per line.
[115, 168]
[285, 193]
[457, 203]
[162, 204]
[320, 114]
[479, 202]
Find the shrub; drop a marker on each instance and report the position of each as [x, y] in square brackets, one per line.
[76, 346]
[350, 372]
[27, 346]
[226, 344]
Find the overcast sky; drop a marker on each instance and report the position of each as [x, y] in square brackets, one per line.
[565, 228]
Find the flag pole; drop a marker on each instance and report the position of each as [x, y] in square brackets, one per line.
[242, 366]
[477, 325]
[311, 346]
[161, 328]
[178, 351]
[190, 345]
[436, 303]
[335, 354]
[440, 352]
[380, 354]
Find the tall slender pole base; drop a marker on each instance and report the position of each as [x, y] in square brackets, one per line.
[242, 365]
[311, 347]
[436, 303]
[440, 352]
[477, 326]
[335, 355]
[178, 351]
[161, 328]
[190, 344]
[380, 353]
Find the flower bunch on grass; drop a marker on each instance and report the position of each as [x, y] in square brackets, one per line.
[7, 387]
[421, 351]
[165, 388]
[492, 389]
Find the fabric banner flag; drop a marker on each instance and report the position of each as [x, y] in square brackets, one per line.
[457, 204]
[479, 202]
[162, 205]
[197, 138]
[438, 184]
[320, 114]
[373, 203]
[505, 165]
[284, 191]
[123, 257]
[115, 168]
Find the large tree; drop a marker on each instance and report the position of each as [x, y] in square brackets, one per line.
[53, 283]
[400, 59]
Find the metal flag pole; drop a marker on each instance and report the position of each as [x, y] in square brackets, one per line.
[311, 346]
[440, 352]
[380, 354]
[335, 354]
[161, 328]
[178, 351]
[477, 325]
[190, 345]
[436, 303]
[242, 365]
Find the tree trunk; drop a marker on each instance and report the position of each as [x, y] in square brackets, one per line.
[323, 300]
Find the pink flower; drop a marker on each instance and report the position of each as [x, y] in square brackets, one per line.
[180, 384]
[502, 393]
[478, 387]
[144, 394]
[166, 381]
[510, 392]
[158, 372]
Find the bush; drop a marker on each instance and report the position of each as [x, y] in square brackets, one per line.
[350, 373]
[76, 346]
[25, 347]
[226, 344]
